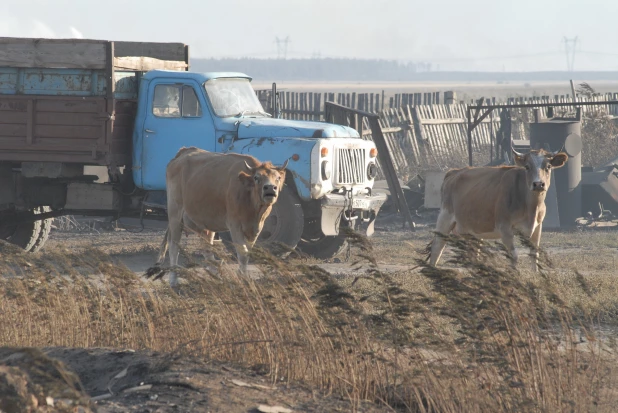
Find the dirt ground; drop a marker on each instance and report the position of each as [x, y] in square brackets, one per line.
[155, 382]
[123, 380]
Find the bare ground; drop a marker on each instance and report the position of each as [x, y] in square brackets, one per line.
[156, 382]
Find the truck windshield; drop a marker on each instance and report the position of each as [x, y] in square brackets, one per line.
[233, 97]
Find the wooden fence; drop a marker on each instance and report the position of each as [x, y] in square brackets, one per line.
[310, 105]
[424, 134]
[433, 137]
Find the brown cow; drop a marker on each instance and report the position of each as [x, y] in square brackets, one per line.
[490, 202]
[212, 192]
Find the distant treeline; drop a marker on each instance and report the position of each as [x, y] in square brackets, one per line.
[329, 69]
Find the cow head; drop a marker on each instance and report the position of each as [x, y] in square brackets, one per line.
[538, 165]
[265, 181]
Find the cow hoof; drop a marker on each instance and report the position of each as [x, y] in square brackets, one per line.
[155, 272]
[173, 279]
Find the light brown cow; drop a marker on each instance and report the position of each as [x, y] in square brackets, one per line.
[491, 202]
[211, 192]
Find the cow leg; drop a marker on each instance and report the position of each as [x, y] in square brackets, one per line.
[204, 234]
[536, 240]
[444, 225]
[209, 237]
[508, 239]
[175, 233]
[242, 252]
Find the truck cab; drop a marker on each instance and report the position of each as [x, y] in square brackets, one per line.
[130, 116]
[330, 169]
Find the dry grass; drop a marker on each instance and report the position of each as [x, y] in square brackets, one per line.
[473, 337]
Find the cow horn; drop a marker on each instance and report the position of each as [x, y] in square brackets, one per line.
[248, 167]
[557, 152]
[551, 154]
[285, 164]
[521, 155]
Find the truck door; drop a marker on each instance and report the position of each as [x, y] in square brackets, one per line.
[176, 117]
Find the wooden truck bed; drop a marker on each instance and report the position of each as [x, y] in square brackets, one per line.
[74, 100]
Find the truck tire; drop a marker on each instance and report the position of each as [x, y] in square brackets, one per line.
[26, 234]
[323, 247]
[284, 225]
[46, 226]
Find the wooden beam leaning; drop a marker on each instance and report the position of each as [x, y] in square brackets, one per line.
[335, 113]
[386, 162]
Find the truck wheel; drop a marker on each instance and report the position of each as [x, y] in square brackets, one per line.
[323, 247]
[26, 234]
[284, 225]
[46, 226]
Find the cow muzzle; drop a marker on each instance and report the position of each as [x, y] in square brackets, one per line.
[538, 186]
[269, 193]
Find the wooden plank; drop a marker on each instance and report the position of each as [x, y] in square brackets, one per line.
[13, 130]
[52, 53]
[144, 64]
[160, 51]
[30, 122]
[75, 119]
[62, 131]
[88, 105]
[110, 109]
[411, 138]
[14, 117]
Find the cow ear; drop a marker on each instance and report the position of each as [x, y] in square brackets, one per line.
[559, 160]
[246, 179]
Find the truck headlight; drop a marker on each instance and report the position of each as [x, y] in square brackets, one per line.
[372, 170]
[325, 170]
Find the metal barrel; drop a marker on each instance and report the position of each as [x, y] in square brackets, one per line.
[554, 134]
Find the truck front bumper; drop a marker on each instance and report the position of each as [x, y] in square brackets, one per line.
[338, 207]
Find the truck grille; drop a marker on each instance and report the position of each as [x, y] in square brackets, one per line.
[350, 166]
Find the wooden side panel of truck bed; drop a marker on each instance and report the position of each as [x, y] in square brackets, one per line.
[65, 129]
[75, 100]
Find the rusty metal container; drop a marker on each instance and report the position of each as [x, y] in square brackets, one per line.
[554, 134]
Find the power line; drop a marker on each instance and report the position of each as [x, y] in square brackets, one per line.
[282, 47]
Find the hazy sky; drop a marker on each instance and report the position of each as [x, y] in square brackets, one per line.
[496, 35]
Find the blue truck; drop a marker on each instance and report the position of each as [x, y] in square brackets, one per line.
[69, 107]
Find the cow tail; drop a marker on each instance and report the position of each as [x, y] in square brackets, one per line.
[426, 252]
[164, 246]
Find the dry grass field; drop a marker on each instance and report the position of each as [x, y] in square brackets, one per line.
[382, 332]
